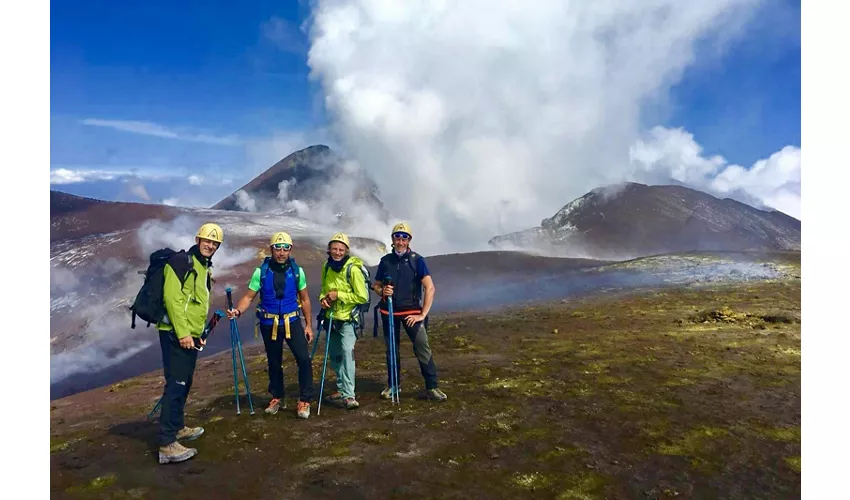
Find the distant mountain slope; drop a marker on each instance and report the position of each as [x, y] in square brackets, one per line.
[303, 179]
[635, 219]
[74, 216]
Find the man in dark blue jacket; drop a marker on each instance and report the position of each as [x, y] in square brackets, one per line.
[409, 276]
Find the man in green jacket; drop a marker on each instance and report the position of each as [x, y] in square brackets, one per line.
[341, 297]
[186, 294]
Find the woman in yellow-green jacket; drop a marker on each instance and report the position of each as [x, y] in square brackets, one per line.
[343, 289]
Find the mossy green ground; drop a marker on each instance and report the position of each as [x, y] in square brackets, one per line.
[690, 393]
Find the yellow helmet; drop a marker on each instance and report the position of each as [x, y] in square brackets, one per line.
[402, 227]
[340, 237]
[280, 237]
[211, 231]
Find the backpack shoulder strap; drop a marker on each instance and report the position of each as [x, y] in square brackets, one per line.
[264, 269]
[362, 270]
[413, 262]
[181, 263]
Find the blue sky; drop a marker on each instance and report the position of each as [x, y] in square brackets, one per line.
[211, 83]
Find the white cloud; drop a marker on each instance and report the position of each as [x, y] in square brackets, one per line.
[458, 109]
[171, 202]
[666, 154]
[71, 176]
[196, 180]
[156, 130]
[75, 175]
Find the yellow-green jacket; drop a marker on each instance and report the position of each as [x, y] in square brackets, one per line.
[348, 296]
[186, 306]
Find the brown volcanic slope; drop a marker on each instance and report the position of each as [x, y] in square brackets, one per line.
[309, 171]
[637, 220]
[76, 216]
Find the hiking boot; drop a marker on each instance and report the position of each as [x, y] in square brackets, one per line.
[189, 433]
[273, 407]
[303, 409]
[350, 403]
[436, 395]
[387, 394]
[335, 398]
[175, 452]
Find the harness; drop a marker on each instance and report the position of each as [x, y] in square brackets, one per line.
[277, 318]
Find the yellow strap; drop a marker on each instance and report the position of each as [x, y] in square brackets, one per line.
[277, 319]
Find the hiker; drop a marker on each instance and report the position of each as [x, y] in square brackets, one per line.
[344, 288]
[186, 296]
[409, 276]
[284, 299]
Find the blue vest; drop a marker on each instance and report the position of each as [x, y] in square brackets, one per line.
[407, 285]
[268, 297]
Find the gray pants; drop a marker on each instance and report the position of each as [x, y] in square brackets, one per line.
[421, 349]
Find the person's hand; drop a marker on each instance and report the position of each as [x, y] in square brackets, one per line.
[332, 295]
[387, 291]
[308, 332]
[202, 341]
[413, 319]
[233, 313]
[187, 342]
[325, 303]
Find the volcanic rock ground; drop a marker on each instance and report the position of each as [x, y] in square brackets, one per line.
[671, 376]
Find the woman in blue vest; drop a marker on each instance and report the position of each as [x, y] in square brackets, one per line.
[282, 284]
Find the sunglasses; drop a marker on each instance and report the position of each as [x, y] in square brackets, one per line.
[284, 246]
[401, 236]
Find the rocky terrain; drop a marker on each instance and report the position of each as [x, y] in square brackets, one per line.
[688, 392]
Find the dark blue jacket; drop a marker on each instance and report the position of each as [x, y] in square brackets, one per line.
[406, 272]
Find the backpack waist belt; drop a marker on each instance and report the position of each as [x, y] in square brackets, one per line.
[277, 318]
[401, 313]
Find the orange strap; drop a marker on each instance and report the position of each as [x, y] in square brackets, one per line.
[400, 313]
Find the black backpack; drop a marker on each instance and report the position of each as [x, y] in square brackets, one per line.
[149, 304]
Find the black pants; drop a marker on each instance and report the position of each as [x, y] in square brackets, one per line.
[274, 353]
[421, 349]
[179, 367]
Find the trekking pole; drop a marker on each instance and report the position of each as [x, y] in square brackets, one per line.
[236, 343]
[209, 328]
[321, 319]
[394, 390]
[244, 371]
[233, 360]
[325, 361]
[156, 407]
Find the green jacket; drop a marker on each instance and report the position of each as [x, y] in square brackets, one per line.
[348, 296]
[186, 306]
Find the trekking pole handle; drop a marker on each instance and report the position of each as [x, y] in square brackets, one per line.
[229, 292]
